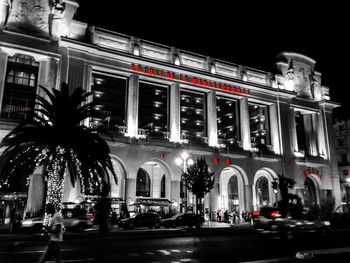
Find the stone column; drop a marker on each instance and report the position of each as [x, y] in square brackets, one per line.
[319, 129]
[248, 198]
[275, 140]
[245, 123]
[174, 114]
[3, 68]
[48, 71]
[214, 198]
[130, 193]
[293, 131]
[35, 199]
[71, 193]
[175, 195]
[212, 119]
[133, 106]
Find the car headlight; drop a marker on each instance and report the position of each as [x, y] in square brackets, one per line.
[27, 222]
[327, 223]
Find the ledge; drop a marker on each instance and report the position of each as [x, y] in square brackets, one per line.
[312, 161]
[266, 156]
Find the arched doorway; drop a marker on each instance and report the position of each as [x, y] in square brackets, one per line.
[233, 194]
[232, 189]
[262, 192]
[153, 183]
[262, 188]
[310, 194]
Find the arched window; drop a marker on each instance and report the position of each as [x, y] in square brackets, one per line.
[143, 183]
[162, 187]
[262, 191]
[233, 197]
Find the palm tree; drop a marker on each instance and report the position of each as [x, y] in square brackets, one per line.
[55, 138]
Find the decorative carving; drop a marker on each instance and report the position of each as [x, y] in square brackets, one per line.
[29, 15]
[44, 18]
[243, 73]
[57, 8]
[302, 80]
[5, 8]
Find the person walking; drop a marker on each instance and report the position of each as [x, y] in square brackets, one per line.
[55, 229]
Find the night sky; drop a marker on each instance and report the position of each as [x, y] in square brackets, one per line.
[249, 34]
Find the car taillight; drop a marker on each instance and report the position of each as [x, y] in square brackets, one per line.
[275, 214]
[256, 213]
[89, 216]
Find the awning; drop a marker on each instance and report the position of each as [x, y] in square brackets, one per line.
[12, 196]
[152, 202]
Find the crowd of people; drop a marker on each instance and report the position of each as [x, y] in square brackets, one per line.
[233, 217]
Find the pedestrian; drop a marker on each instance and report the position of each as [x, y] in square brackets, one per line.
[218, 216]
[226, 217]
[55, 229]
[13, 216]
[2, 221]
[234, 217]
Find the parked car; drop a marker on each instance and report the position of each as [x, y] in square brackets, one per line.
[34, 224]
[184, 219]
[149, 219]
[73, 220]
[270, 221]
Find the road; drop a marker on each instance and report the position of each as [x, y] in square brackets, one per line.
[180, 245]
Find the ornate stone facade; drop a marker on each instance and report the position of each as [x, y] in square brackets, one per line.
[278, 122]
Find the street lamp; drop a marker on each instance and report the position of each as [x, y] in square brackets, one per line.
[186, 162]
[275, 190]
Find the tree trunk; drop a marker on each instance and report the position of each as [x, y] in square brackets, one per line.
[199, 206]
[55, 179]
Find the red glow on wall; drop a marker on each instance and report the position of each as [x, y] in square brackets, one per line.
[228, 161]
[310, 171]
[216, 160]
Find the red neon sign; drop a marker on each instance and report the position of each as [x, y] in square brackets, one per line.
[188, 79]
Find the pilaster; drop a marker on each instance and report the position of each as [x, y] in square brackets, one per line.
[212, 119]
[174, 113]
[245, 124]
[133, 106]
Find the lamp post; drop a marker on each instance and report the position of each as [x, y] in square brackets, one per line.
[275, 190]
[185, 161]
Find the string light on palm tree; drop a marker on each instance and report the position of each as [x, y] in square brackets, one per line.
[55, 138]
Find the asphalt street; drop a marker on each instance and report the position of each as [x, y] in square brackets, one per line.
[237, 244]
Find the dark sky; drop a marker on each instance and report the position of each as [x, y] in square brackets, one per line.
[250, 34]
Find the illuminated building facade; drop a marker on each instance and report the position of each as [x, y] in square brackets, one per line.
[159, 101]
[342, 145]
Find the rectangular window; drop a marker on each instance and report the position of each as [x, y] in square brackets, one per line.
[109, 97]
[259, 124]
[300, 131]
[193, 116]
[20, 87]
[227, 111]
[153, 109]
